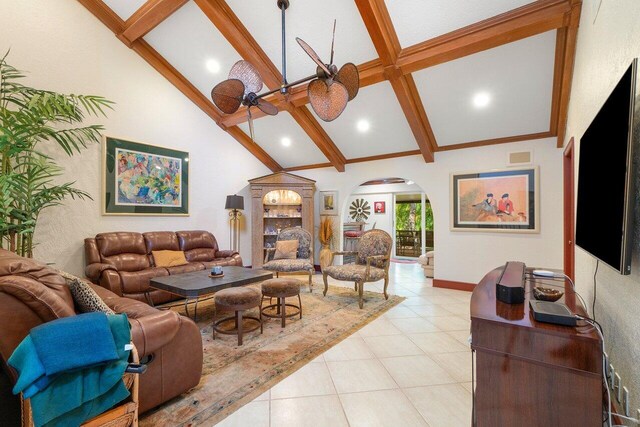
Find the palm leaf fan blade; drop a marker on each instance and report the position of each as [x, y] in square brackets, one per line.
[350, 78]
[328, 101]
[228, 95]
[267, 107]
[248, 75]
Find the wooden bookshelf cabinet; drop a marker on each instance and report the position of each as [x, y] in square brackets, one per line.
[278, 201]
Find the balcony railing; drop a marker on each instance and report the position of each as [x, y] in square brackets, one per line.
[409, 242]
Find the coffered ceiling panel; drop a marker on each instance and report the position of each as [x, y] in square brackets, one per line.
[419, 20]
[275, 132]
[388, 131]
[514, 82]
[124, 8]
[312, 21]
[195, 47]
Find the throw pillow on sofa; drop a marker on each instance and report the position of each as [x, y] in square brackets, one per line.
[86, 299]
[286, 249]
[169, 258]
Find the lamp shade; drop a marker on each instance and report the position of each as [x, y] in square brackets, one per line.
[234, 202]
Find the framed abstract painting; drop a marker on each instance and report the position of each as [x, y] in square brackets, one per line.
[498, 200]
[143, 179]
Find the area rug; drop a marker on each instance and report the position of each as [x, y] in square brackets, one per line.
[233, 376]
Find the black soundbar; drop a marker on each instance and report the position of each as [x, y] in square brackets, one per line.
[510, 285]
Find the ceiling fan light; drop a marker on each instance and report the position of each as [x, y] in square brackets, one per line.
[213, 66]
[363, 125]
[481, 99]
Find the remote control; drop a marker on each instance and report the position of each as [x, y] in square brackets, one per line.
[544, 273]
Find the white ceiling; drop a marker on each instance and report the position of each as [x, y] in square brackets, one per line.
[124, 8]
[269, 132]
[517, 76]
[418, 20]
[389, 130]
[188, 39]
[312, 21]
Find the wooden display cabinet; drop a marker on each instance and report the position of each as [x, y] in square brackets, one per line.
[278, 201]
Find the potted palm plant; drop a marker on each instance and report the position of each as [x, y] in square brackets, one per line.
[29, 178]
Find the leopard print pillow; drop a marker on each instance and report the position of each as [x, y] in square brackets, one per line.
[86, 299]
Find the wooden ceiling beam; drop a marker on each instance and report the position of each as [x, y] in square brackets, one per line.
[142, 48]
[378, 22]
[149, 16]
[254, 148]
[234, 31]
[496, 141]
[413, 109]
[526, 21]
[221, 15]
[563, 73]
[310, 125]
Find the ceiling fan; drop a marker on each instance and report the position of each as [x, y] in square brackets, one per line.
[329, 90]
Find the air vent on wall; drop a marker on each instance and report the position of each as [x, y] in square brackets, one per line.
[519, 158]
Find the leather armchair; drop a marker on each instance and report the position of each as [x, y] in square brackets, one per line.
[372, 263]
[32, 294]
[123, 261]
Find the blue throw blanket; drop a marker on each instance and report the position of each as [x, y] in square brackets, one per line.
[72, 368]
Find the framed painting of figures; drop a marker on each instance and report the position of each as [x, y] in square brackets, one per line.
[143, 179]
[497, 200]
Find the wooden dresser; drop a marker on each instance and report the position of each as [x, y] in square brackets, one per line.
[529, 373]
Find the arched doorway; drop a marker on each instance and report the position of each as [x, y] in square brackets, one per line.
[395, 205]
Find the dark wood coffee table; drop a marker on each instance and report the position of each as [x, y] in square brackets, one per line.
[192, 286]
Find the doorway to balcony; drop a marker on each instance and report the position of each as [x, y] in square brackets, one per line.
[413, 225]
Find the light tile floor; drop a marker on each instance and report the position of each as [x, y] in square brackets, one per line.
[410, 367]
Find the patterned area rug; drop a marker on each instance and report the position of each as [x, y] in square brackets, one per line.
[233, 376]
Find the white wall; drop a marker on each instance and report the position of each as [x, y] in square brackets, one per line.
[382, 221]
[467, 256]
[66, 49]
[605, 49]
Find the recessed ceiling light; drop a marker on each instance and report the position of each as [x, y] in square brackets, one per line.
[213, 66]
[363, 125]
[481, 99]
[410, 182]
[285, 142]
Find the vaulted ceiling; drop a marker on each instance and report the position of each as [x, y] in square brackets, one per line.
[422, 63]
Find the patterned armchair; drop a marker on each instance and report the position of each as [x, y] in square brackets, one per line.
[304, 256]
[372, 263]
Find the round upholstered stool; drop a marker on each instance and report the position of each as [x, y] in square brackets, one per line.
[281, 289]
[237, 300]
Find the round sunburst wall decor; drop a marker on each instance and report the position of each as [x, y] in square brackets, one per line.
[359, 210]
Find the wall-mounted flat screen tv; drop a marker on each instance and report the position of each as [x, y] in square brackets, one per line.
[604, 220]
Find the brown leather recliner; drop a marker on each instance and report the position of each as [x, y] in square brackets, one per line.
[123, 261]
[32, 293]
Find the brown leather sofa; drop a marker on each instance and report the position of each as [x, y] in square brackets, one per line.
[32, 293]
[123, 263]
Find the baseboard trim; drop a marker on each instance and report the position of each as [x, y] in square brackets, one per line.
[449, 284]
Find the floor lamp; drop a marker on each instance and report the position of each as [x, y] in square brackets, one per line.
[236, 204]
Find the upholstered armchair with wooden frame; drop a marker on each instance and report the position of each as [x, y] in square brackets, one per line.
[372, 263]
[303, 263]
